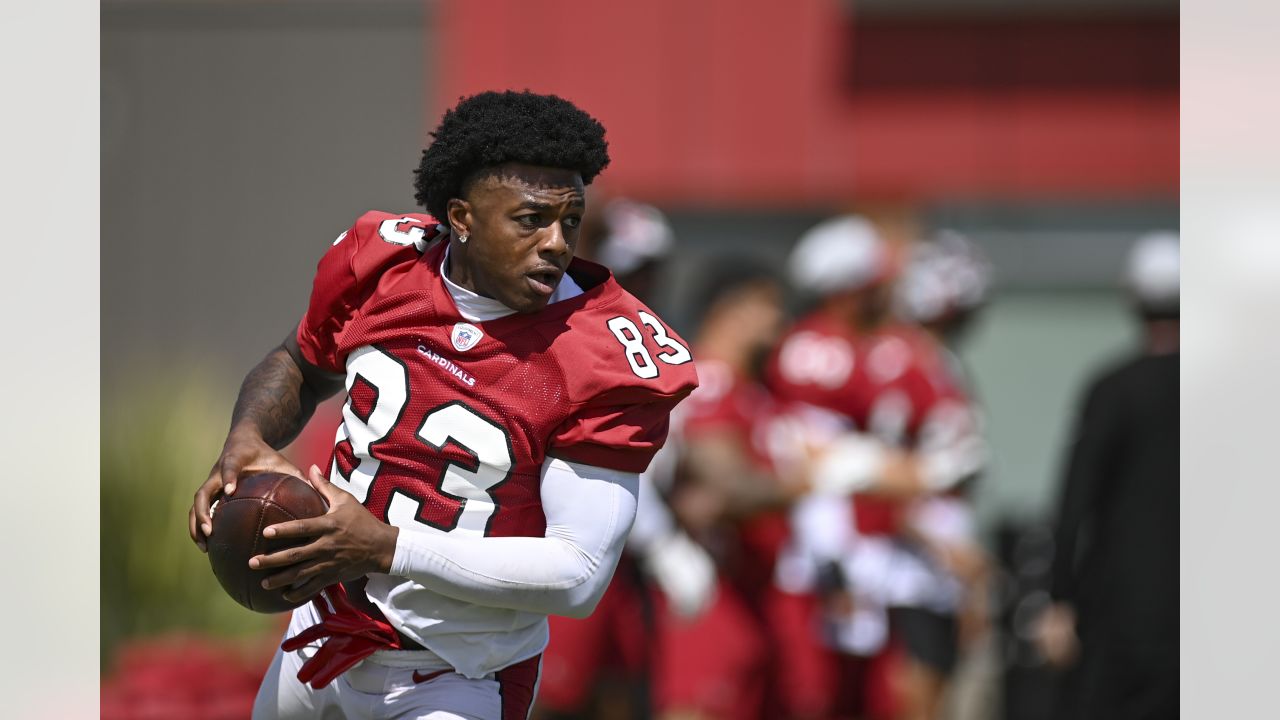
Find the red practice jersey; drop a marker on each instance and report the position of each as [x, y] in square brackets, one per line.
[448, 422]
[893, 383]
[902, 385]
[772, 439]
[814, 364]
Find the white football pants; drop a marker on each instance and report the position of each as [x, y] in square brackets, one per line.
[373, 691]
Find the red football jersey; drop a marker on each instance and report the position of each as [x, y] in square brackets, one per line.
[814, 364]
[772, 438]
[448, 422]
[889, 382]
[907, 397]
[893, 383]
[902, 383]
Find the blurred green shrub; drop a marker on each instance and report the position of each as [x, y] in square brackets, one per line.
[159, 440]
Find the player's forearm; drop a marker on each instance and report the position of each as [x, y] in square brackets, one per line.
[717, 463]
[861, 464]
[274, 401]
[756, 493]
[543, 575]
[589, 512]
[901, 476]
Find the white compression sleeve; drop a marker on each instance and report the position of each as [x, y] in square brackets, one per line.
[589, 512]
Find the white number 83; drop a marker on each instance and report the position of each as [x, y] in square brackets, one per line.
[638, 357]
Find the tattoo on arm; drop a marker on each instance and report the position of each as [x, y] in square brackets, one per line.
[274, 400]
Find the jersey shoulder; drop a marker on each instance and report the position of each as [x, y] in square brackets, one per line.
[624, 371]
[378, 238]
[376, 242]
[362, 263]
[614, 346]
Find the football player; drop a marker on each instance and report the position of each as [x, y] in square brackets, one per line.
[911, 435]
[502, 399]
[942, 290]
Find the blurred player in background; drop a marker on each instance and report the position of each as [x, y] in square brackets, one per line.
[914, 436]
[502, 400]
[943, 288]
[741, 464]
[602, 666]
[1115, 569]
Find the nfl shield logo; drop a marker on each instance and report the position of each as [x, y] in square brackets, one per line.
[465, 336]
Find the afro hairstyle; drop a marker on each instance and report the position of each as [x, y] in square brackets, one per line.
[493, 128]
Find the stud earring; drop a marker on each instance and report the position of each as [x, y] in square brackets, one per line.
[463, 238]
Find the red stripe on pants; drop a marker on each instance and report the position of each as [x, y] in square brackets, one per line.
[516, 685]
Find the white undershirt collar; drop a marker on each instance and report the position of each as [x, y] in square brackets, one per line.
[474, 307]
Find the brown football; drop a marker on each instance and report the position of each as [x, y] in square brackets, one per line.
[259, 501]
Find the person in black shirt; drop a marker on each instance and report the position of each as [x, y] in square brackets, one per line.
[1114, 615]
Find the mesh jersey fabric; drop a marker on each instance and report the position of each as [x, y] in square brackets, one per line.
[447, 423]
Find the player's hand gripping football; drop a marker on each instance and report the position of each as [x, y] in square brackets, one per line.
[244, 453]
[348, 542]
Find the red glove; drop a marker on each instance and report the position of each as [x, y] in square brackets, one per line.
[353, 636]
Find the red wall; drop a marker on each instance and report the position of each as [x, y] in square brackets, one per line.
[730, 102]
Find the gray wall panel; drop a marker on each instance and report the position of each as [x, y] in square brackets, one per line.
[238, 140]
